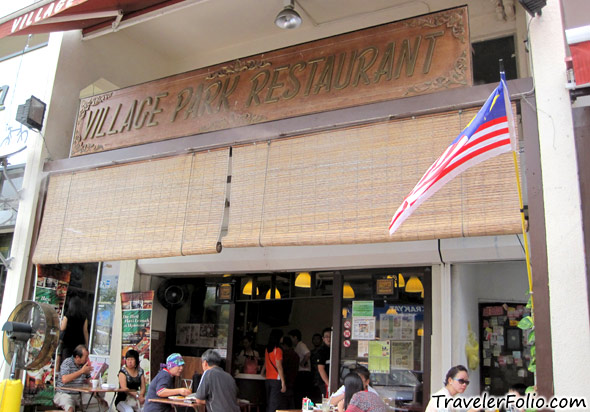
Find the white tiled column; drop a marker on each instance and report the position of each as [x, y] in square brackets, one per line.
[570, 326]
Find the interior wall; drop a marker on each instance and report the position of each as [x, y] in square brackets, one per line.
[475, 283]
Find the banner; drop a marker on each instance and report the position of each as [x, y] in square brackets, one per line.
[51, 287]
[136, 323]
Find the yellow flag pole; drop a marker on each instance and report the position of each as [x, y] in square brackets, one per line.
[523, 224]
[511, 125]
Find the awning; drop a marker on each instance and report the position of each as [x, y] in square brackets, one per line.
[159, 208]
[340, 187]
[88, 15]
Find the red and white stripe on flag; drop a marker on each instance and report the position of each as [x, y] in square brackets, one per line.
[487, 135]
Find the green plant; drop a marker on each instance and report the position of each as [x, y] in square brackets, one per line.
[527, 324]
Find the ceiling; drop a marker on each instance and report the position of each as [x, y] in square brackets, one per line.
[197, 33]
[213, 25]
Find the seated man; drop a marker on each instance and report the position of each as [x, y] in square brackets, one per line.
[162, 386]
[217, 389]
[74, 371]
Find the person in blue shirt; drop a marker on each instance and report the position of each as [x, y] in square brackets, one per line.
[162, 386]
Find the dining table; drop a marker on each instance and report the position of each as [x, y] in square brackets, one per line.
[93, 391]
[180, 402]
[176, 403]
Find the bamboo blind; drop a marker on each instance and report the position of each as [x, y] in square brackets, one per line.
[343, 186]
[164, 207]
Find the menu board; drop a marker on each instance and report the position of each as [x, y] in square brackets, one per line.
[202, 335]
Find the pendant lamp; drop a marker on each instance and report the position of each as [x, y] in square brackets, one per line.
[277, 294]
[303, 280]
[248, 289]
[401, 282]
[391, 311]
[413, 285]
[347, 291]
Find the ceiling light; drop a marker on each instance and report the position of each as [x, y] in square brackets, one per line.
[391, 311]
[303, 280]
[277, 294]
[413, 285]
[248, 289]
[288, 18]
[347, 291]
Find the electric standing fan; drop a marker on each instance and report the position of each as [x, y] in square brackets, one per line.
[30, 335]
[29, 340]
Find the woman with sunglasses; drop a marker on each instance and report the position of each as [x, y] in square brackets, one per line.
[456, 382]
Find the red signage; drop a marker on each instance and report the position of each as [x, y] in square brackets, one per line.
[36, 15]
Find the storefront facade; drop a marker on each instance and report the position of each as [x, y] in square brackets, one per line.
[278, 168]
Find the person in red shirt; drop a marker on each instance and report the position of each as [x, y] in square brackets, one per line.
[273, 371]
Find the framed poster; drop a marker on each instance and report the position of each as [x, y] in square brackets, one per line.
[363, 327]
[402, 355]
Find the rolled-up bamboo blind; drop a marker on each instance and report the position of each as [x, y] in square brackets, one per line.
[343, 186]
[139, 210]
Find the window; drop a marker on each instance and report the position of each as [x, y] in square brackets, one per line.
[105, 309]
[486, 55]
[383, 330]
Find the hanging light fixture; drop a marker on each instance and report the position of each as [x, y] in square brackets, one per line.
[277, 294]
[288, 18]
[347, 291]
[413, 285]
[391, 311]
[248, 288]
[420, 332]
[400, 280]
[303, 280]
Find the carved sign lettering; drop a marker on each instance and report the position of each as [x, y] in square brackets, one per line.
[406, 58]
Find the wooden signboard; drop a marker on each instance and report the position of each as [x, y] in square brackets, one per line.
[416, 56]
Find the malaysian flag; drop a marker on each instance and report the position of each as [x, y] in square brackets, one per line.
[488, 134]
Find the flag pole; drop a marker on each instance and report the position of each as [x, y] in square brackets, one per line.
[522, 217]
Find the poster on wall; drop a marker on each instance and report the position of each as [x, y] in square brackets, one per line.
[379, 355]
[397, 327]
[51, 287]
[201, 335]
[137, 320]
[363, 327]
[402, 355]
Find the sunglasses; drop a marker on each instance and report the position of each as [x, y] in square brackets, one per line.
[461, 381]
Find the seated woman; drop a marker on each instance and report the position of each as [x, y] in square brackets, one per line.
[132, 377]
[356, 399]
[455, 383]
[365, 377]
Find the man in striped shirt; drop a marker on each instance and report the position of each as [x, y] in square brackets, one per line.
[74, 371]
